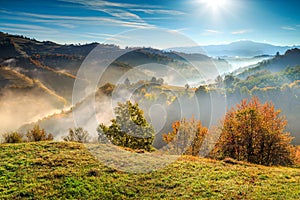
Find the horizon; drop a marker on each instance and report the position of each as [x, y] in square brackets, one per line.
[216, 44]
[205, 22]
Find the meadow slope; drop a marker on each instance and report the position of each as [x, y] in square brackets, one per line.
[61, 170]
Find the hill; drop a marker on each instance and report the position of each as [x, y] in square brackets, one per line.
[58, 170]
[43, 73]
[290, 58]
[243, 48]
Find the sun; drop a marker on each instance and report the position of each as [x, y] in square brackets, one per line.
[215, 4]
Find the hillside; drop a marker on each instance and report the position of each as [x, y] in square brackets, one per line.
[243, 48]
[51, 170]
[289, 59]
[43, 73]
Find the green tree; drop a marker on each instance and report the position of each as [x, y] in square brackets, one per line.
[219, 81]
[228, 81]
[255, 132]
[77, 135]
[128, 129]
[13, 137]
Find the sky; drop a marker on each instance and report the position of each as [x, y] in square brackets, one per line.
[203, 21]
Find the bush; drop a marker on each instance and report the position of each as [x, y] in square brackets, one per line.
[128, 129]
[77, 135]
[37, 134]
[187, 137]
[13, 137]
[254, 132]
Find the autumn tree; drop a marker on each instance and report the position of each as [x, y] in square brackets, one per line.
[255, 132]
[187, 137]
[77, 135]
[38, 134]
[128, 129]
[13, 137]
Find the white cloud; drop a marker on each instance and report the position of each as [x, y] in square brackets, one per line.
[72, 21]
[289, 28]
[124, 10]
[159, 11]
[239, 32]
[211, 32]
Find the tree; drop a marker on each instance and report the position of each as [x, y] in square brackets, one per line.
[219, 81]
[160, 81]
[254, 132]
[153, 80]
[127, 82]
[186, 138]
[128, 129]
[187, 87]
[37, 134]
[228, 81]
[13, 137]
[77, 135]
[107, 89]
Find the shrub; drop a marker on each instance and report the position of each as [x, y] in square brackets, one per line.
[13, 137]
[254, 132]
[77, 135]
[37, 134]
[128, 129]
[187, 137]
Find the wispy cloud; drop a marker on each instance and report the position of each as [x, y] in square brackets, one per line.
[159, 11]
[211, 32]
[27, 28]
[103, 3]
[126, 11]
[71, 21]
[240, 32]
[118, 10]
[289, 28]
[106, 36]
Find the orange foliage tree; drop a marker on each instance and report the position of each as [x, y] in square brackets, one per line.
[255, 132]
[186, 138]
[37, 134]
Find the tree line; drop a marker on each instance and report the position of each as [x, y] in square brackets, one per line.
[251, 131]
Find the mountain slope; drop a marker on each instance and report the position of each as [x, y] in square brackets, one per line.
[242, 48]
[290, 58]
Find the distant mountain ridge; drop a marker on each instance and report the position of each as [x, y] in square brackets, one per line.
[243, 48]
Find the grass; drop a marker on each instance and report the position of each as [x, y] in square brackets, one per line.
[62, 170]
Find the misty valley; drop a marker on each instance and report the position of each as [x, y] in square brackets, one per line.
[37, 81]
[141, 109]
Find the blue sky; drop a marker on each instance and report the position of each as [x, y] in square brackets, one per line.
[204, 21]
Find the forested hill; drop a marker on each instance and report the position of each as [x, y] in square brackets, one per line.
[289, 59]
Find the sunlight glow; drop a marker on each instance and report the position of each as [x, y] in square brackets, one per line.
[215, 4]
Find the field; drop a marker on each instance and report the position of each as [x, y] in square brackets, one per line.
[61, 170]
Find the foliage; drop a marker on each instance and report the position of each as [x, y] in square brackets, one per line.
[129, 128]
[108, 89]
[77, 135]
[187, 137]
[254, 132]
[13, 137]
[38, 134]
[263, 78]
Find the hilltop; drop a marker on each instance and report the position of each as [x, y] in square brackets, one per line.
[67, 170]
[242, 48]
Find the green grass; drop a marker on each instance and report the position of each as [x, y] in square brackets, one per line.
[60, 170]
